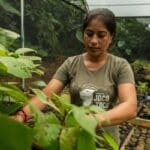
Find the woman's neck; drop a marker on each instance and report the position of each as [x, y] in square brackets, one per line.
[95, 59]
[94, 63]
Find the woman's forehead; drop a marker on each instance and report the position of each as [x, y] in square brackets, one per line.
[96, 23]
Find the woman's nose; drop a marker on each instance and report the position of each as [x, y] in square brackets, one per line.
[94, 39]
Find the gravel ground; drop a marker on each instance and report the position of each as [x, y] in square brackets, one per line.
[134, 137]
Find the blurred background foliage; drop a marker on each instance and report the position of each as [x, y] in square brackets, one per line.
[53, 29]
[51, 26]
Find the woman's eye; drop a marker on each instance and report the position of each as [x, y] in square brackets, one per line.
[101, 35]
[89, 34]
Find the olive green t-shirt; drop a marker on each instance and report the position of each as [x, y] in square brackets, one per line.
[95, 87]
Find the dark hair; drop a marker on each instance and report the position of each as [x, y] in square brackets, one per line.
[105, 15]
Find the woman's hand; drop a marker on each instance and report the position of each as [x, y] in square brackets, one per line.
[102, 119]
[17, 118]
[20, 116]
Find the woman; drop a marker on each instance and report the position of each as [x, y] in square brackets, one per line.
[96, 76]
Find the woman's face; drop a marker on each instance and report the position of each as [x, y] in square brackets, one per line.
[96, 38]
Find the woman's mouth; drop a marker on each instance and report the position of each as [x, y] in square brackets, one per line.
[94, 48]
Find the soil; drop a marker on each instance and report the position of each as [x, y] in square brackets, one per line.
[49, 67]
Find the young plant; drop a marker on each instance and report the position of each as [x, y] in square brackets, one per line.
[68, 127]
[142, 87]
[14, 64]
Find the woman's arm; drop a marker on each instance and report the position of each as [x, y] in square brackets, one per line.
[54, 85]
[125, 110]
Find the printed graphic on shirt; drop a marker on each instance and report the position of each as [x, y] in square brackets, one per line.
[87, 96]
[91, 95]
[101, 99]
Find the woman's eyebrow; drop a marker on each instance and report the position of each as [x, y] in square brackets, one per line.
[100, 31]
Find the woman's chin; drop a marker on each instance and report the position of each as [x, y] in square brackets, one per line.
[95, 53]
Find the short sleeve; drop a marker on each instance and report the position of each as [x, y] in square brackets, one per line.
[125, 73]
[62, 72]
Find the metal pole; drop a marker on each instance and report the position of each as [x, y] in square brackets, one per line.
[22, 33]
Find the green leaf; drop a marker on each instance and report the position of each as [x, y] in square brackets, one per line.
[22, 51]
[9, 33]
[44, 99]
[79, 36]
[63, 107]
[14, 92]
[85, 141]
[32, 58]
[96, 109]
[128, 51]
[19, 67]
[3, 70]
[47, 127]
[14, 135]
[65, 98]
[7, 37]
[87, 122]
[8, 7]
[46, 134]
[2, 47]
[78, 4]
[3, 51]
[39, 83]
[110, 141]
[68, 138]
[70, 120]
[9, 108]
[16, 67]
[54, 145]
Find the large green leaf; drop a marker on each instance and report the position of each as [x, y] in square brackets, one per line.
[7, 6]
[70, 120]
[60, 103]
[3, 70]
[44, 99]
[46, 133]
[15, 67]
[19, 67]
[87, 122]
[110, 141]
[9, 34]
[47, 127]
[14, 135]
[22, 51]
[29, 65]
[7, 37]
[39, 83]
[79, 36]
[96, 109]
[68, 138]
[85, 141]
[14, 92]
[32, 58]
[3, 50]
[65, 98]
[54, 145]
[9, 108]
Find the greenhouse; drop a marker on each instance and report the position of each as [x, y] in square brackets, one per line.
[75, 75]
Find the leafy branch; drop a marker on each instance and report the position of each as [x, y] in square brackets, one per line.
[73, 128]
[72, 3]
